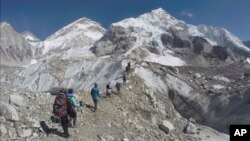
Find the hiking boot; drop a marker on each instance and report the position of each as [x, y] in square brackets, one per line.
[66, 135]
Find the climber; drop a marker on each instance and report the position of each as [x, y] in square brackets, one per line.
[60, 109]
[75, 107]
[95, 96]
[118, 87]
[128, 67]
[124, 78]
[108, 90]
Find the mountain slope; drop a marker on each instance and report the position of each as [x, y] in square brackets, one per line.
[150, 29]
[178, 70]
[80, 34]
[15, 50]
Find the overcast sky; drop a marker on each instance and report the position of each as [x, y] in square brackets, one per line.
[44, 17]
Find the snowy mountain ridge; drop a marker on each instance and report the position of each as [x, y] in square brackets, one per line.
[159, 21]
[15, 50]
[81, 32]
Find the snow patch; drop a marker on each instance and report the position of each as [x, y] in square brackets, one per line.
[167, 60]
[248, 60]
[181, 87]
[150, 78]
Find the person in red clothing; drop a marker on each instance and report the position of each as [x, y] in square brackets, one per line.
[60, 109]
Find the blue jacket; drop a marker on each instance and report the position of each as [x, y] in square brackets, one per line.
[95, 93]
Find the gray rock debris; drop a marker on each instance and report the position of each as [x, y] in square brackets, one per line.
[3, 130]
[8, 111]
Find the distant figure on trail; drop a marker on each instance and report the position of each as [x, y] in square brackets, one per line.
[95, 96]
[108, 90]
[118, 87]
[75, 107]
[128, 67]
[60, 109]
[124, 78]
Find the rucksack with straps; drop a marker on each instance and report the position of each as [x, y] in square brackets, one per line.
[60, 108]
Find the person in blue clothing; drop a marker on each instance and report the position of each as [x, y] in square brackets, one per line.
[75, 106]
[95, 96]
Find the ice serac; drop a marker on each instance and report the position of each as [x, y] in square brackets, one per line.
[15, 50]
[80, 34]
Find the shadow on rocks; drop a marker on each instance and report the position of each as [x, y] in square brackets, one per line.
[48, 130]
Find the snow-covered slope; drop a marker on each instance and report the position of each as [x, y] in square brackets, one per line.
[15, 50]
[81, 33]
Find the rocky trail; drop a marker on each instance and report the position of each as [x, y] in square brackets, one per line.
[136, 114]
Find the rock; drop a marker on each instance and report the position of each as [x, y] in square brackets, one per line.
[12, 133]
[110, 138]
[190, 128]
[218, 87]
[138, 139]
[125, 139]
[3, 130]
[166, 126]
[221, 78]
[192, 120]
[101, 138]
[26, 133]
[8, 111]
[144, 64]
[35, 134]
[16, 100]
[197, 75]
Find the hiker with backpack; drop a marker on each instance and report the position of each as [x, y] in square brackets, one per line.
[118, 87]
[75, 107]
[60, 109]
[95, 96]
[108, 90]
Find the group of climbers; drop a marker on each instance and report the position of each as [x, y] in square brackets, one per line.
[66, 106]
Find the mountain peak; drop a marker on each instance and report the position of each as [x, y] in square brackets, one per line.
[5, 25]
[81, 24]
[159, 11]
[30, 36]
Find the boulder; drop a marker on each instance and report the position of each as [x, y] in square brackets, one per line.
[190, 128]
[12, 133]
[110, 138]
[197, 75]
[125, 139]
[3, 130]
[166, 126]
[8, 111]
[24, 132]
[17, 100]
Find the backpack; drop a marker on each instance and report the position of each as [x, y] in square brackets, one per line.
[60, 107]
